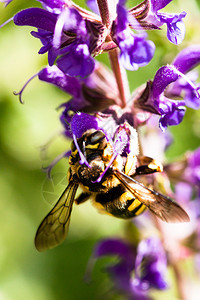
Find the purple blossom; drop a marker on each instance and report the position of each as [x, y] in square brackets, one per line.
[156, 96]
[151, 265]
[175, 25]
[171, 111]
[64, 36]
[120, 272]
[136, 51]
[136, 271]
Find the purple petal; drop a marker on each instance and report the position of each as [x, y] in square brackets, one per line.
[46, 38]
[121, 140]
[136, 52]
[187, 59]
[191, 98]
[164, 76]
[77, 61]
[115, 247]
[92, 4]
[172, 113]
[53, 5]
[175, 27]
[122, 18]
[36, 17]
[159, 4]
[81, 122]
[151, 265]
[53, 75]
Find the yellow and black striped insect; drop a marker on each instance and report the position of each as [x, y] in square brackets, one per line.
[118, 193]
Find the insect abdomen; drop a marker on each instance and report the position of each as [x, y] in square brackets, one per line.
[119, 202]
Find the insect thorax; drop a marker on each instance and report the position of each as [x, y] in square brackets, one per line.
[97, 152]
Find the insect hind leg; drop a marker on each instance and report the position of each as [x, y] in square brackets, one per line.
[82, 198]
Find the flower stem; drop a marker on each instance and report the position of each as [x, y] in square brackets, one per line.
[120, 75]
[107, 10]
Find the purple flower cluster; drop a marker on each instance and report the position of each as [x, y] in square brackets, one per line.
[71, 36]
[159, 97]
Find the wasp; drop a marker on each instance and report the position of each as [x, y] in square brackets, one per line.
[118, 193]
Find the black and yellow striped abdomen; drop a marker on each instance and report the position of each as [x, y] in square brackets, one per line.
[119, 203]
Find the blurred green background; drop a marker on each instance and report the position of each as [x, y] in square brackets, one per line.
[57, 274]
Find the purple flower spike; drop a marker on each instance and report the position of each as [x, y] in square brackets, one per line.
[151, 265]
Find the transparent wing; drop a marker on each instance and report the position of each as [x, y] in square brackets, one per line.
[53, 229]
[162, 206]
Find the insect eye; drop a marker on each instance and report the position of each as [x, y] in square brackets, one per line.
[97, 137]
